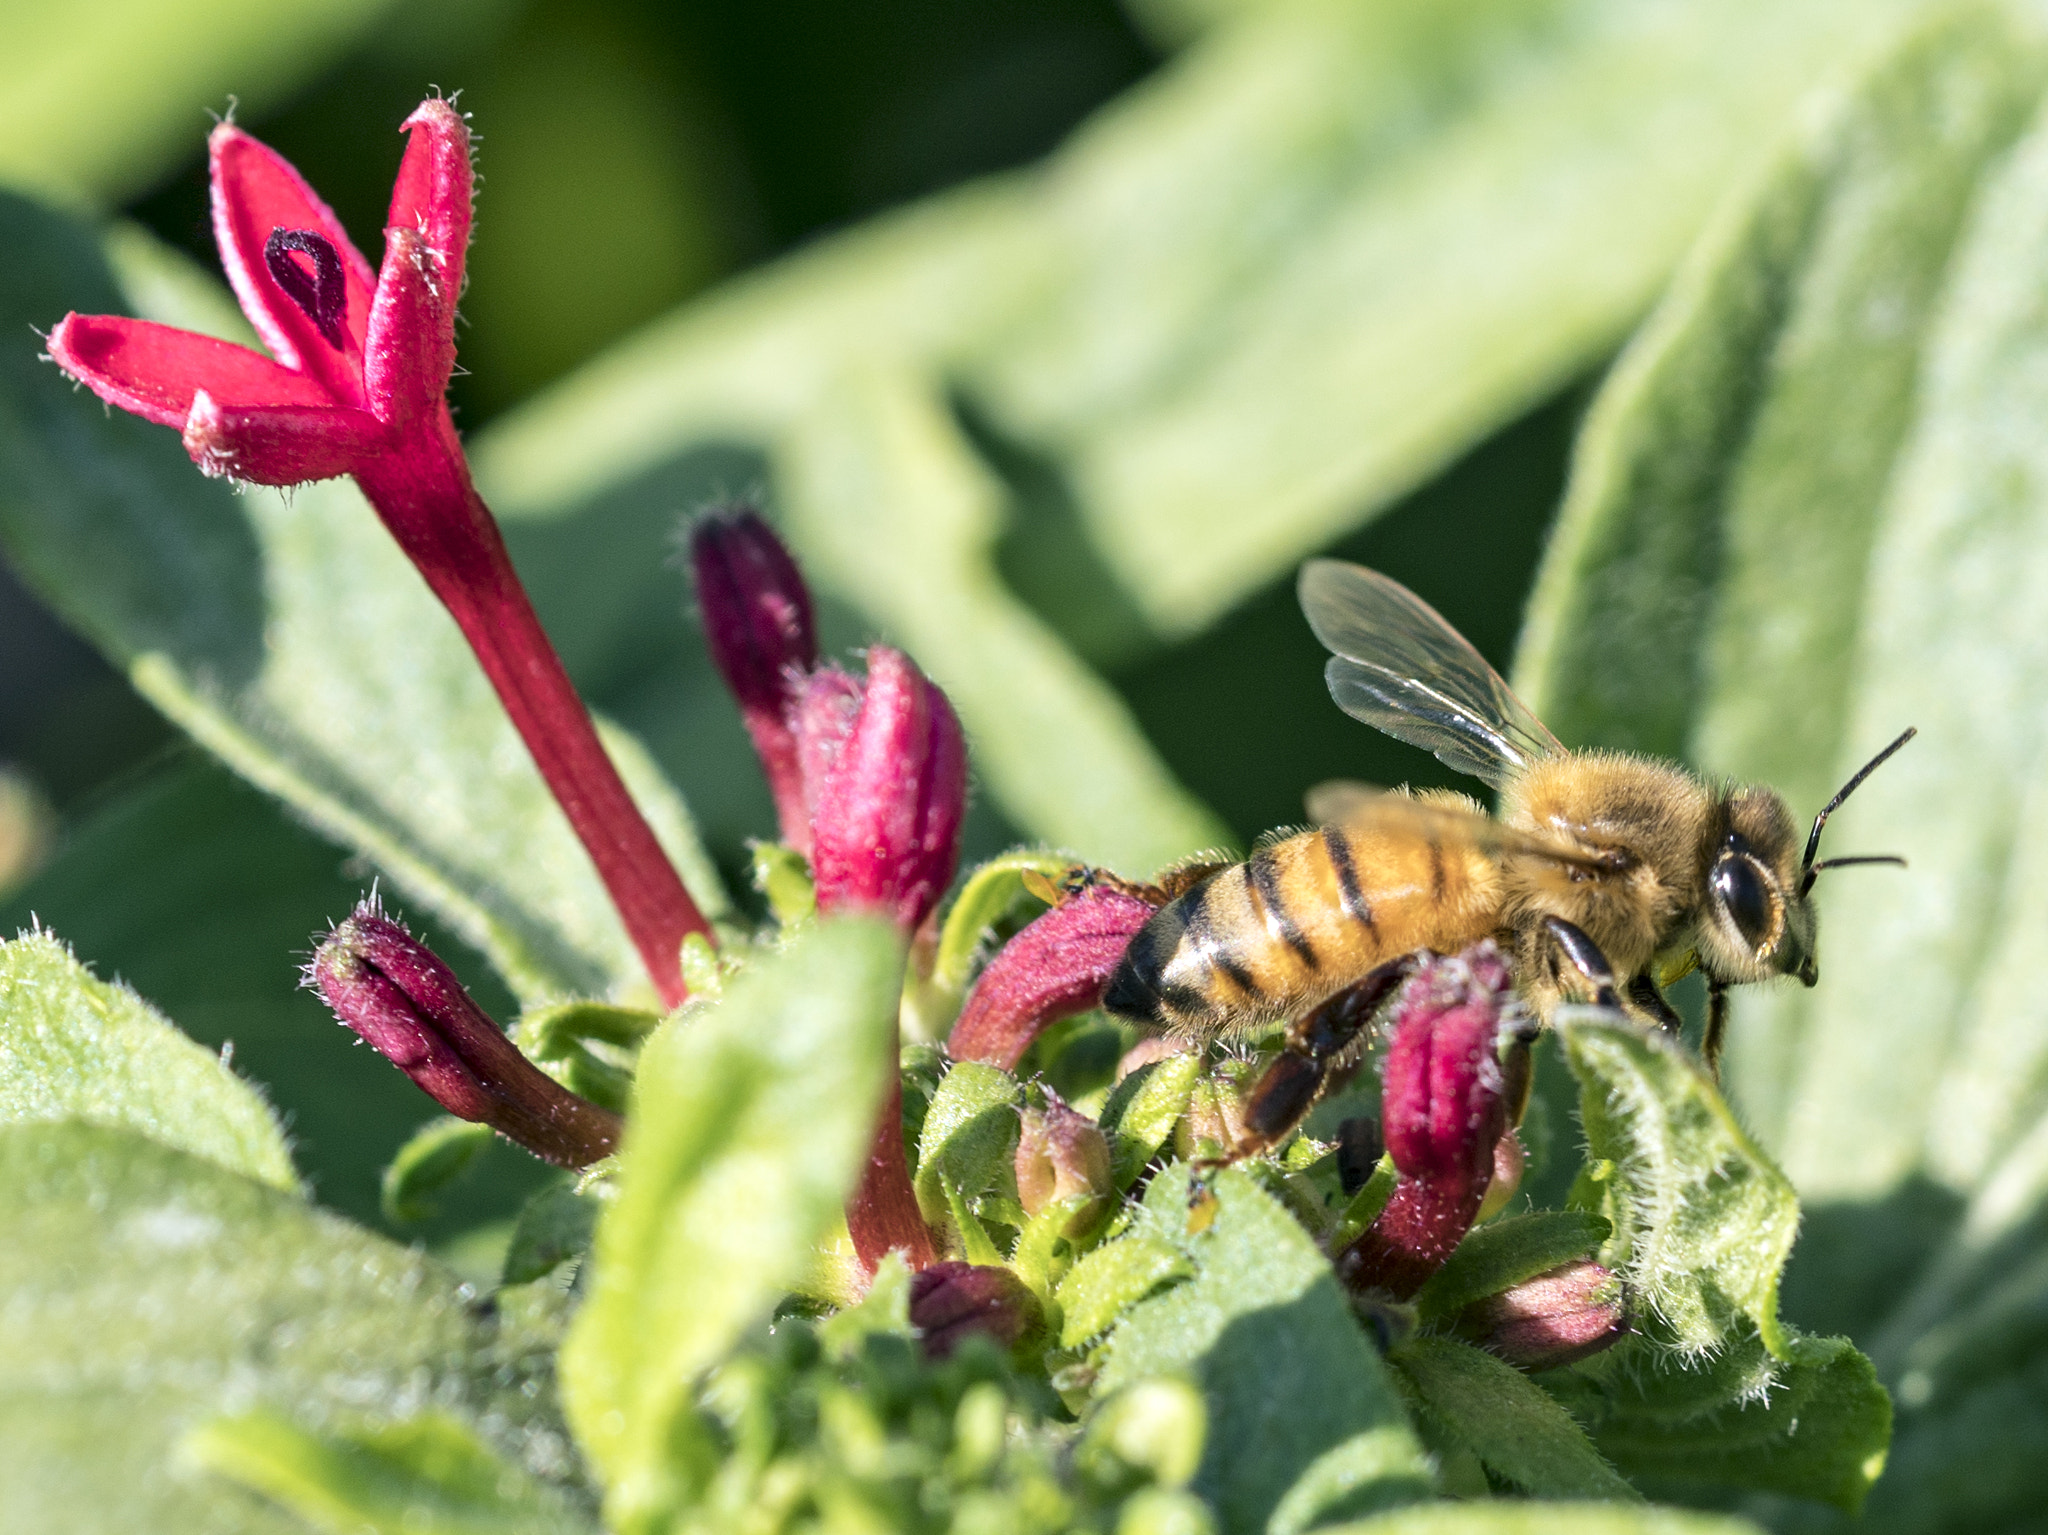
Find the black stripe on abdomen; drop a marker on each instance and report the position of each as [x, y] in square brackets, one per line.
[1356, 906]
[1263, 875]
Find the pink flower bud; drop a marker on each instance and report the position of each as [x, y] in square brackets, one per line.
[889, 798]
[392, 990]
[763, 640]
[1056, 967]
[1061, 1154]
[1558, 1318]
[1442, 1112]
[951, 1301]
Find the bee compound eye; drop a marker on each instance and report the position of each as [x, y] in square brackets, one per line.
[1740, 888]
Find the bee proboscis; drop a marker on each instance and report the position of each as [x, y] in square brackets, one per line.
[1606, 874]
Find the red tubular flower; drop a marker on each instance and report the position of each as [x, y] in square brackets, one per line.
[1442, 1111]
[355, 384]
[392, 989]
[888, 794]
[1059, 965]
[764, 642]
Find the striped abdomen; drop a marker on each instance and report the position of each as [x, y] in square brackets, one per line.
[1301, 920]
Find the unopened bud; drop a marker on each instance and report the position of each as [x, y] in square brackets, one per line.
[393, 991]
[763, 639]
[949, 1302]
[1061, 1154]
[1056, 966]
[886, 811]
[1442, 1112]
[1557, 1318]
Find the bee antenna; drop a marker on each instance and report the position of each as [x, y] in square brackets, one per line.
[1847, 789]
[1813, 870]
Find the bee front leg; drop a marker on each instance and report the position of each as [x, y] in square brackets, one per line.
[1717, 1027]
[1310, 1060]
[1586, 958]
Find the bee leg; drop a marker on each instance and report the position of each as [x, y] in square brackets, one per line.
[1313, 1059]
[1717, 1027]
[1517, 1064]
[1586, 958]
[1644, 993]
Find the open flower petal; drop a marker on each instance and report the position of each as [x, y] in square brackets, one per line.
[278, 444]
[156, 371]
[432, 195]
[255, 193]
[412, 331]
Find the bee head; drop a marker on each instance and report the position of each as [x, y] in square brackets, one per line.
[1759, 920]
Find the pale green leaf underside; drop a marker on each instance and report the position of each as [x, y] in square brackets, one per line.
[289, 636]
[148, 1289]
[749, 1120]
[1810, 509]
[73, 1047]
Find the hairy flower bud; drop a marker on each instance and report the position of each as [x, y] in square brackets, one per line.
[1057, 966]
[951, 1301]
[1558, 1318]
[393, 991]
[1442, 1113]
[1061, 1154]
[889, 795]
[763, 639]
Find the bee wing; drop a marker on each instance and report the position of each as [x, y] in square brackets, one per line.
[1362, 806]
[1397, 665]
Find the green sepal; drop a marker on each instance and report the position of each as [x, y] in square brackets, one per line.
[439, 1153]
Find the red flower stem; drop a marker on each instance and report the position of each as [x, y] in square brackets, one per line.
[430, 506]
[883, 1216]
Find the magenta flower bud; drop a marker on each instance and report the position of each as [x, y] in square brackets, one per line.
[1061, 1154]
[763, 640]
[1442, 1110]
[888, 803]
[1057, 966]
[393, 991]
[951, 1301]
[1558, 1318]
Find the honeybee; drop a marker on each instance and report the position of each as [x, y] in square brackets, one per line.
[1606, 875]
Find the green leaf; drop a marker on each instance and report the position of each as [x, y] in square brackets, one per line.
[1807, 511]
[148, 1290]
[749, 1122]
[439, 1153]
[589, 1047]
[1111, 1279]
[969, 1138]
[1265, 1332]
[1495, 1411]
[1703, 1221]
[1816, 1426]
[1512, 1518]
[150, 67]
[201, 894]
[556, 1225]
[427, 1475]
[1142, 1110]
[1505, 1252]
[290, 638]
[76, 1048]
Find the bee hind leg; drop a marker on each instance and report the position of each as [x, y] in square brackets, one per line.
[1318, 1049]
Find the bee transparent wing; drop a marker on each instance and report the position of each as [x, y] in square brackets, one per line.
[1359, 807]
[1398, 666]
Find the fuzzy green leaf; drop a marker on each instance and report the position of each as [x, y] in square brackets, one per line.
[1506, 1252]
[750, 1119]
[1111, 1279]
[1513, 1518]
[76, 1048]
[969, 1137]
[148, 1289]
[291, 638]
[1265, 1332]
[427, 1475]
[556, 1225]
[439, 1153]
[1494, 1411]
[1142, 1110]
